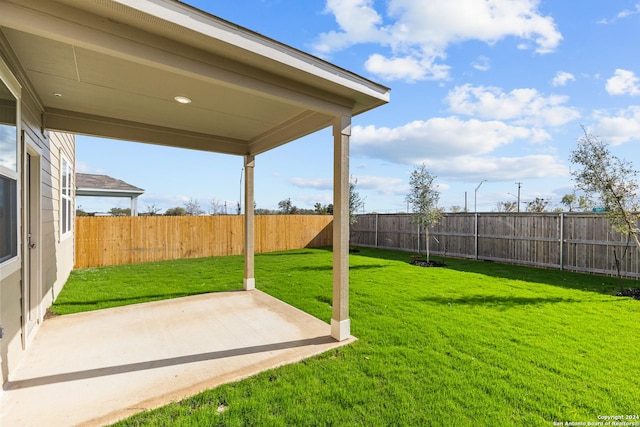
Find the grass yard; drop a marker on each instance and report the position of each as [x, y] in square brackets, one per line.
[470, 344]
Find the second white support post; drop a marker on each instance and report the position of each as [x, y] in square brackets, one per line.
[340, 323]
[249, 224]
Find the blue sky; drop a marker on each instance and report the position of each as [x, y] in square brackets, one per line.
[493, 90]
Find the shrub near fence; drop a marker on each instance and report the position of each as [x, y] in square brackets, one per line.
[102, 241]
[583, 242]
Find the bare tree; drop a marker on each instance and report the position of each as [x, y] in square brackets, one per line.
[423, 200]
[217, 207]
[612, 180]
[152, 209]
[192, 207]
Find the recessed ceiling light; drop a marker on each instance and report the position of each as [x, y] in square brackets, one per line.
[57, 95]
[182, 99]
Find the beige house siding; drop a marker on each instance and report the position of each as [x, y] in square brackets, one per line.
[56, 269]
[55, 254]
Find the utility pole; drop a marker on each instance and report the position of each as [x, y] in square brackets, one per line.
[519, 184]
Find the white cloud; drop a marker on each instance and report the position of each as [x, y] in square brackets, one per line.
[621, 15]
[357, 19]
[8, 157]
[418, 32]
[84, 167]
[315, 183]
[619, 128]
[482, 63]
[406, 68]
[383, 185]
[457, 149]
[499, 168]
[523, 106]
[437, 138]
[309, 200]
[562, 78]
[623, 82]
[628, 12]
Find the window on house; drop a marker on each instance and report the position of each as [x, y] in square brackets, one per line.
[8, 219]
[8, 174]
[66, 212]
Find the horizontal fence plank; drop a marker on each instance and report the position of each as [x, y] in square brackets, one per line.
[102, 241]
[582, 242]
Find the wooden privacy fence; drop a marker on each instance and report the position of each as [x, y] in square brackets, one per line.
[583, 242]
[104, 241]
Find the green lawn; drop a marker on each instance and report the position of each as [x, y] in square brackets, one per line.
[470, 344]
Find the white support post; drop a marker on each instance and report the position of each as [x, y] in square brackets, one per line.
[134, 206]
[340, 323]
[249, 224]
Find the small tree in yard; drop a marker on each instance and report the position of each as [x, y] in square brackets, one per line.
[507, 206]
[573, 202]
[612, 181]
[177, 211]
[356, 202]
[423, 200]
[537, 205]
[286, 207]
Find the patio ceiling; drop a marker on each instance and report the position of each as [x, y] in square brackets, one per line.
[112, 68]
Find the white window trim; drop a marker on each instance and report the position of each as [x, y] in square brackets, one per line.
[66, 198]
[14, 264]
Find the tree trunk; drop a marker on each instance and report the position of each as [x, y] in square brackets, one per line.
[426, 239]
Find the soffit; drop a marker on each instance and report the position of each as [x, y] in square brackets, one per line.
[105, 68]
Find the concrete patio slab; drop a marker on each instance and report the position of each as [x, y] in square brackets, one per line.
[98, 367]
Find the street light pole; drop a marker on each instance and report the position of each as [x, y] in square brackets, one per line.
[475, 210]
[475, 196]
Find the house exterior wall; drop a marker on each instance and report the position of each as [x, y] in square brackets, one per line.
[53, 256]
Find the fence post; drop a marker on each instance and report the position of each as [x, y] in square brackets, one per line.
[475, 234]
[376, 222]
[561, 241]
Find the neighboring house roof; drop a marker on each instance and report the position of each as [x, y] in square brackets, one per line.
[104, 186]
[113, 68]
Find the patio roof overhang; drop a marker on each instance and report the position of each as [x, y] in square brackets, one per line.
[113, 68]
[117, 68]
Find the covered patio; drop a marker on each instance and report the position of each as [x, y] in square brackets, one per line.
[99, 367]
[163, 72]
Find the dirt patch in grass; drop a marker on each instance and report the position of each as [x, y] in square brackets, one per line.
[425, 263]
[633, 293]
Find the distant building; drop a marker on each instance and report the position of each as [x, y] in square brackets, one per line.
[106, 186]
